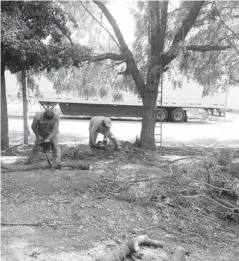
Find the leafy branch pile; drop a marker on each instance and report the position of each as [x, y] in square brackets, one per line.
[198, 196]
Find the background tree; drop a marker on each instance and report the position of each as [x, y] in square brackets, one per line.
[25, 28]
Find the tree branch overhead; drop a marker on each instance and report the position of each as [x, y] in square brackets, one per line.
[127, 54]
[105, 56]
[188, 22]
[205, 48]
[183, 31]
[113, 23]
[100, 24]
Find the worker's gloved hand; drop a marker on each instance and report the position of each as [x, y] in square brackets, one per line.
[118, 148]
[47, 140]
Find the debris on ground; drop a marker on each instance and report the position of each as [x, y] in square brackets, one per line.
[183, 196]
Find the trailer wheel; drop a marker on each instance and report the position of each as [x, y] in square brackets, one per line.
[162, 115]
[178, 115]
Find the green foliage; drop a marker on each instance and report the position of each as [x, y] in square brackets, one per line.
[32, 85]
[91, 80]
[118, 97]
[140, 45]
[83, 82]
[25, 28]
[103, 93]
[215, 70]
[217, 24]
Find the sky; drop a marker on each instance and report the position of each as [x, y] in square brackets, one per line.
[120, 9]
[121, 12]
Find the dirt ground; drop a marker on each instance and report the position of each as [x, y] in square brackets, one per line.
[63, 215]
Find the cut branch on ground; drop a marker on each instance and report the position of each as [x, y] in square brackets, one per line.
[45, 165]
[128, 248]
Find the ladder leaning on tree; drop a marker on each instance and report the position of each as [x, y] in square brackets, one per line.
[159, 124]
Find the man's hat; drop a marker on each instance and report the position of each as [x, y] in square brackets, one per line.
[107, 122]
[49, 116]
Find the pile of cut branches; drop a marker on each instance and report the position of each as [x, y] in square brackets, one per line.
[202, 194]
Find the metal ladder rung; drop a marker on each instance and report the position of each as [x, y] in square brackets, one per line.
[159, 126]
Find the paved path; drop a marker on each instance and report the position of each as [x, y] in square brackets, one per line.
[214, 133]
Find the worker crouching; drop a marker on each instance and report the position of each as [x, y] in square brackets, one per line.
[45, 126]
[101, 125]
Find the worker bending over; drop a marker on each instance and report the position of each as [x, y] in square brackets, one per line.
[101, 125]
[45, 126]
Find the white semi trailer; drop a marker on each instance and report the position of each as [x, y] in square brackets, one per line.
[176, 100]
[179, 96]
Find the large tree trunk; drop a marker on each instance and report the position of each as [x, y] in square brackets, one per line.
[4, 116]
[150, 93]
[149, 118]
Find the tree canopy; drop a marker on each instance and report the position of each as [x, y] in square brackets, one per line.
[99, 79]
[218, 25]
[208, 54]
[36, 35]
